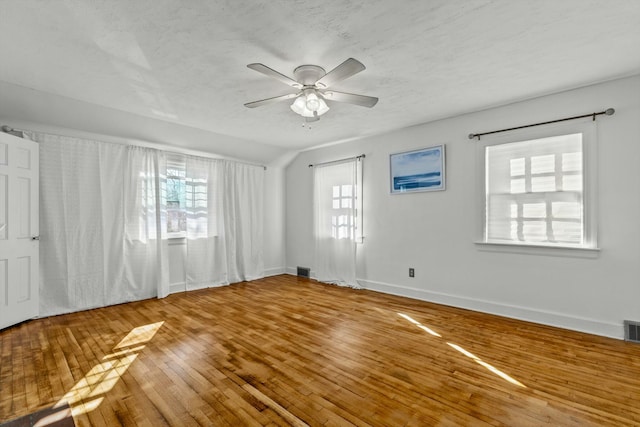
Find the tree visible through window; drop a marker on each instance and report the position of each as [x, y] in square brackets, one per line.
[176, 199]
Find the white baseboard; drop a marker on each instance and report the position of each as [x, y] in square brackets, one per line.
[275, 271]
[564, 321]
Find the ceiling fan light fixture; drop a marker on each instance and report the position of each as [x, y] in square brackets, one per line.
[301, 106]
[312, 100]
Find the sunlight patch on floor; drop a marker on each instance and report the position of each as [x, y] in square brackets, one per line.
[479, 361]
[88, 393]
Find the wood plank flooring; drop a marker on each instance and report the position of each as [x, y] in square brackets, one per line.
[288, 351]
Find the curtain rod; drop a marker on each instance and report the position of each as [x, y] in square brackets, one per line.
[361, 156]
[608, 112]
[9, 129]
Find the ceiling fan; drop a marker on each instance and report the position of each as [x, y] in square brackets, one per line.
[313, 85]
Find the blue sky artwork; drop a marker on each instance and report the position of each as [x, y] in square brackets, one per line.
[417, 170]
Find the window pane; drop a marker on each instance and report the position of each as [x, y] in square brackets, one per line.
[336, 191]
[543, 164]
[572, 182]
[566, 210]
[567, 232]
[543, 183]
[346, 191]
[524, 180]
[534, 231]
[336, 203]
[517, 166]
[346, 203]
[534, 210]
[572, 162]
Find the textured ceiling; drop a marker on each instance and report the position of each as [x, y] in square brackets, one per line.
[185, 61]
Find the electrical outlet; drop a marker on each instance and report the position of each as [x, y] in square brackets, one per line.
[412, 272]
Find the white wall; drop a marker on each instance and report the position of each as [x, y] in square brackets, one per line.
[434, 232]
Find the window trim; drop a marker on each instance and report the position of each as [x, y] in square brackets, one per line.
[588, 129]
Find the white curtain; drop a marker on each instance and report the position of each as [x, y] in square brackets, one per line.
[205, 261]
[145, 242]
[85, 194]
[104, 223]
[224, 222]
[336, 216]
[243, 220]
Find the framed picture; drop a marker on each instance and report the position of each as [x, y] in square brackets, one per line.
[418, 170]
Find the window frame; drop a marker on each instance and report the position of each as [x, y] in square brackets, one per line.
[588, 129]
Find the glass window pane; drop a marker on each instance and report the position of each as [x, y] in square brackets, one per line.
[566, 210]
[543, 183]
[514, 230]
[572, 182]
[346, 191]
[567, 232]
[543, 164]
[336, 191]
[517, 166]
[336, 203]
[534, 210]
[572, 162]
[534, 231]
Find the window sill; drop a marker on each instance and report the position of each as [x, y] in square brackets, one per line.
[529, 249]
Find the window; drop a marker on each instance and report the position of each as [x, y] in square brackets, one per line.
[176, 197]
[337, 205]
[343, 218]
[188, 197]
[535, 193]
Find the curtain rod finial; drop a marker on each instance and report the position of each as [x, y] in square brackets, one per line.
[609, 111]
[472, 135]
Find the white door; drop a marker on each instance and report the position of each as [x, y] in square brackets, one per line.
[19, 228]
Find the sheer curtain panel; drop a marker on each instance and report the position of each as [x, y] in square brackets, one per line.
[336, 188]
[224, 222]
[205, 264]
[104, 222]
[145, 243]
[87, 188]
[243, 219]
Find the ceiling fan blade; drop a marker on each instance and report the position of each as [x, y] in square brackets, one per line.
[347, 69]
[311, 119]
[261, 68]
[362, 100]
[270, 100]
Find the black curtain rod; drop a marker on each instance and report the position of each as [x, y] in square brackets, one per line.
[608, 112]
[361, 156]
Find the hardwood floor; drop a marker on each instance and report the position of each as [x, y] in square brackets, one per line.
[288, 351]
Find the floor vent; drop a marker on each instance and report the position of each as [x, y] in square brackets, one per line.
[632, 331]
[304, 272]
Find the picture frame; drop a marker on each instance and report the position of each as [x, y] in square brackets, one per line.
[418, 170]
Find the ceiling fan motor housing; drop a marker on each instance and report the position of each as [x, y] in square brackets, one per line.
[308, 75]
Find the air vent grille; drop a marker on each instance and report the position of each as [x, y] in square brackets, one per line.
[304, 272]
[632, 331]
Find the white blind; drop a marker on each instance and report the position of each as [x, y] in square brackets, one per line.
[534, 192]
